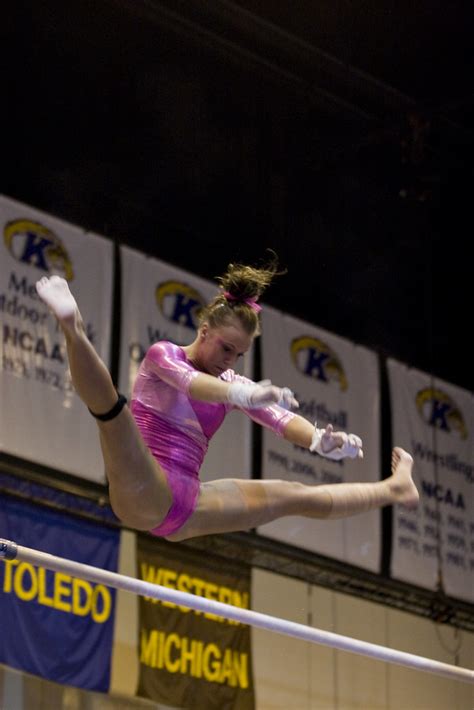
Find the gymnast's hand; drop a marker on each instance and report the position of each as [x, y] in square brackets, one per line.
[252, 395]
[336, 445]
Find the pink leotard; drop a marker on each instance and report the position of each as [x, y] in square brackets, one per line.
[177, 428]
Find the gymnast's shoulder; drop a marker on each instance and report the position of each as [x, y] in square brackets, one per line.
[164, 350]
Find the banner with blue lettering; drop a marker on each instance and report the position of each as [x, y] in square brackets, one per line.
[433, 546]
[161, 302]
[41, 418]
[335, 381]
[54, 625]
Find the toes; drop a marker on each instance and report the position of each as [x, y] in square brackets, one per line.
[40, 285]
[402, 454]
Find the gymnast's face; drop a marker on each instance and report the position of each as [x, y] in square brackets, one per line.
[219, 349]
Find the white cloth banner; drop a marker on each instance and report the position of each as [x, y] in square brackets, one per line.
[334, 381]
[161, 302]
[41, 417]
[434, 421]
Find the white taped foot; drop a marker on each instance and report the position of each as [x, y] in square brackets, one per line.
[54, 291]
[401, 481]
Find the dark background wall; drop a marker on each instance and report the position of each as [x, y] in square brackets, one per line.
[201, 133]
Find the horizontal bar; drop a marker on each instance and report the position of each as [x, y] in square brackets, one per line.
[10, 550]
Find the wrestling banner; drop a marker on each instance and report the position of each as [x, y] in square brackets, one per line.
[434, 545]
[337, 382]
[41, 417]
[189, 659]
[54, 625]
[161, 302]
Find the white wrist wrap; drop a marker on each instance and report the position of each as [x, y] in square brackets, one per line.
[316, 440]
[286, 398]
[350, 449]
[240, 394]
[254, 395]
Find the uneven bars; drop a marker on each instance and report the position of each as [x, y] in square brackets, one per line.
[10, 551]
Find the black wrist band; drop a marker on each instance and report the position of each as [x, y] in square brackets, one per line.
[112, 413]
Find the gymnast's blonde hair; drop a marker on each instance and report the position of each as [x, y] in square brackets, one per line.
[241, 287]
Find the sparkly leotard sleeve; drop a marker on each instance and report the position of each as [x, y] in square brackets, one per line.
[177, 429]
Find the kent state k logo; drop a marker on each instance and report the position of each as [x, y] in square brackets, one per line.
[439, 410]
[179, 303]
[315, 358]
[34, 244]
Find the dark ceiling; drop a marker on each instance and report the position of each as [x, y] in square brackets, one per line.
[339, 134]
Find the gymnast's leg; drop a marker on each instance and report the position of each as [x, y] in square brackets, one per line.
[138, 488]
[229, 505]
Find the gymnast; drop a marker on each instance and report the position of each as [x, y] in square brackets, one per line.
[153, 450]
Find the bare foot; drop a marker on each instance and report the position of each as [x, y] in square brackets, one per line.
[401, 481]
[54, 291]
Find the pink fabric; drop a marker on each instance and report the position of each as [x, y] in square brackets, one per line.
[252, 302]
[177, 428]
[183, 478]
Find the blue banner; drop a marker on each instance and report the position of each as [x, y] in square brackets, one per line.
[51, 624]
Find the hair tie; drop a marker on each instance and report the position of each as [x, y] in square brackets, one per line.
[252, 302]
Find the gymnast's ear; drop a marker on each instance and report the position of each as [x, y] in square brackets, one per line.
[203, 331]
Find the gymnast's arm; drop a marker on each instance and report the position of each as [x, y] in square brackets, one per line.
[258, 399]
[163, 359]
[297, 430]
[282, 422]
[326, 442]
[207, 388]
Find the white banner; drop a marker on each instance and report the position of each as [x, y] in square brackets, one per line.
[334, 381]
[41, 417]
[161, 302]
[434, 421]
